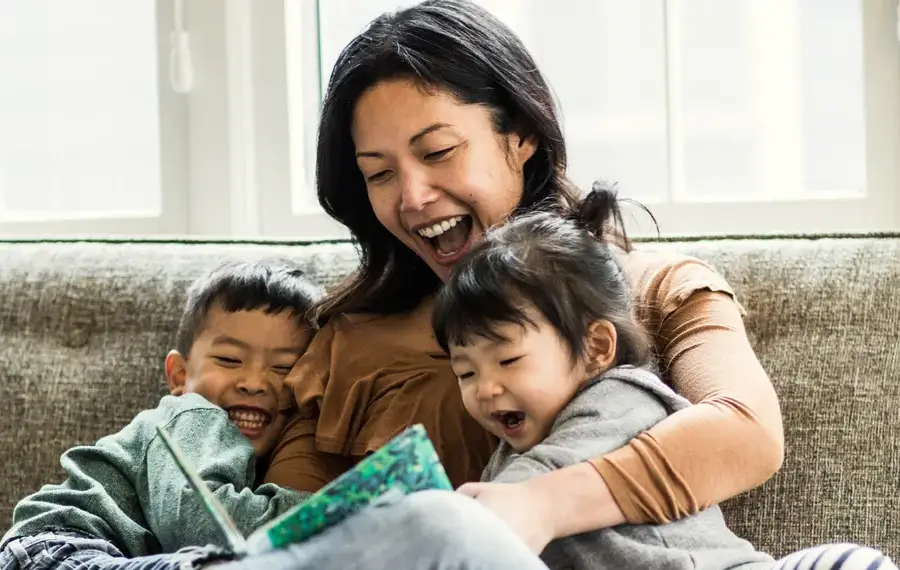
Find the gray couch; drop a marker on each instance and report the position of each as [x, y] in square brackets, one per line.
[84, 328]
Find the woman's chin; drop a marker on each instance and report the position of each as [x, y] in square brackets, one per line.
[442, 272]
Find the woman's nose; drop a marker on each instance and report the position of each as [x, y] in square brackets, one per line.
[415, 191]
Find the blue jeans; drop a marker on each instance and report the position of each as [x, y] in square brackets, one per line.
[73, 551]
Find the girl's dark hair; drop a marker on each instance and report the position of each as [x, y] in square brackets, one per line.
[449, 45]
[560, 265]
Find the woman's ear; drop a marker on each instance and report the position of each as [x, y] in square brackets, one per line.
[176, 372]
[600, 346]
[523, 148]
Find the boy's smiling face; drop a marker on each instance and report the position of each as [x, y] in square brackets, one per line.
[238, 361]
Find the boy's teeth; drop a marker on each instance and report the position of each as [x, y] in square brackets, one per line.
[247, 417]
[440, 227]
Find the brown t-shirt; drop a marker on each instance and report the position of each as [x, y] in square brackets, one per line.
[365, 378]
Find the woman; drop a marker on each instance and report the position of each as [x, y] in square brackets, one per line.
[437, 125]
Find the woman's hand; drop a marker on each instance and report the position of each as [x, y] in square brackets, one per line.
[524, 509]
[557, 504]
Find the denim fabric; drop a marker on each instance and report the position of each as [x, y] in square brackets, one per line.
[72, 551]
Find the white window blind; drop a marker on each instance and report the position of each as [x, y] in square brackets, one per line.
[721, 115]
[81, 132]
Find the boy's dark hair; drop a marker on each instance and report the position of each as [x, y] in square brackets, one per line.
[559, 264]
[271, 286]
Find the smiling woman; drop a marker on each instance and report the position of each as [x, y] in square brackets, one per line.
[436, 189]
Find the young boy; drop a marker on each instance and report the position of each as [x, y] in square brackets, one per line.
[242, 329]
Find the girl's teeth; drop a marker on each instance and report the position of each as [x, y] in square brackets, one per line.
[440, 227]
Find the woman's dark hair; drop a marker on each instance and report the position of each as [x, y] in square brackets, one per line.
[453, 46]
[560, 265]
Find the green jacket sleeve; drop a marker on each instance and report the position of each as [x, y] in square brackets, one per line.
[96, 499]
[225, 460]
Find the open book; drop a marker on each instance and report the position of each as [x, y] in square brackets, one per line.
[406, 464]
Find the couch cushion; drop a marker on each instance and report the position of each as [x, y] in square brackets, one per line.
[824, 319]
[79, 320]
[84, 329]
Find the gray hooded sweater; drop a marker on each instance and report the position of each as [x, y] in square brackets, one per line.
[605, 415]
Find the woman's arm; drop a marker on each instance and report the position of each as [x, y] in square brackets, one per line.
[731, 441]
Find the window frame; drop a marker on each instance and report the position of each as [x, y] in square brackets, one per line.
[878, 210]
[172, 218]
[229, 147]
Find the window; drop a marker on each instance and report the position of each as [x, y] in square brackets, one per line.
[723, 116]
[734, 116]
[83, 148]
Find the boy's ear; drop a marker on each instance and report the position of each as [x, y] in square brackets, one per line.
[176, 372]
[600, 347]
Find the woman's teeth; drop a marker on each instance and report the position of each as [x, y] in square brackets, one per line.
[440, 227]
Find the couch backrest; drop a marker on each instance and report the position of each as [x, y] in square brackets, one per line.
[84, 328]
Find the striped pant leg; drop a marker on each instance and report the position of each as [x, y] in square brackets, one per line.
[836, 557]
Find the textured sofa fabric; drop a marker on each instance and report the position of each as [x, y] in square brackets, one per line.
[84, 328]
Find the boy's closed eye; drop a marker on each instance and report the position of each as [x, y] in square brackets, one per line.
[227, 361]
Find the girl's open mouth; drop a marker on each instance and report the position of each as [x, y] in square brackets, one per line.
[512, 422]
[448, 239]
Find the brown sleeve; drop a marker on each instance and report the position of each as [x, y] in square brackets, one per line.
[297, 462]
[729, 442]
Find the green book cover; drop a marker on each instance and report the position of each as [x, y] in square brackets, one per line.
[408, 463]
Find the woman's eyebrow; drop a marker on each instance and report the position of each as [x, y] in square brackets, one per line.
[412, 140]
[427, 130]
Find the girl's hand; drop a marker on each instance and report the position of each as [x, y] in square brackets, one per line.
[522, 508]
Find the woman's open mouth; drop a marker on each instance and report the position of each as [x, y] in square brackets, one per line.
[448, 239]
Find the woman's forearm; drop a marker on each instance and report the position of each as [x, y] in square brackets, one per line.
[577, 500]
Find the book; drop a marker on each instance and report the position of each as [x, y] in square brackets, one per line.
[406, 464]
